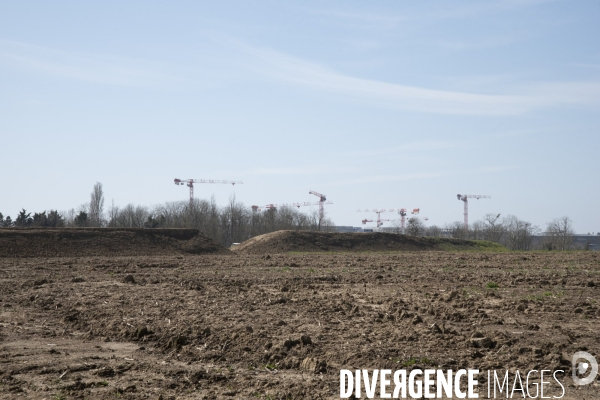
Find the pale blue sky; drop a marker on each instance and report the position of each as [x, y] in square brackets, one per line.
[378, 105]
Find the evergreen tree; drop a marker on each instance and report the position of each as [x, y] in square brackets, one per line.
[81, 219]
[40, 219]
[23, 219]
[55, 220]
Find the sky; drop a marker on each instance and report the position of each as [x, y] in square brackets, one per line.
[390, 104]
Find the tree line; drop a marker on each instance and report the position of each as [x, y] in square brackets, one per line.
[509, 231]
[232, 223]
[235, 223]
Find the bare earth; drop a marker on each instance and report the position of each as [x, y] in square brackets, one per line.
[243, 326]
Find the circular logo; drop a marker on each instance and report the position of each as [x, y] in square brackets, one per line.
[582, 367]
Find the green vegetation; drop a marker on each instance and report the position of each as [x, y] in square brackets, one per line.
[546, 296]
[492, 285]
[414, 361]
[466, 245]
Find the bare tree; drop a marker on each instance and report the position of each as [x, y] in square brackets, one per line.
[226, 225]
[434, 231]
[96, 207]
[559, 234]
[457, 230]
[69, 217]
[519, 234]
[234, 222]
[132, 216]
[493, 228]
[415, 227]
[476, 230]
[113, 212]
[397, 227]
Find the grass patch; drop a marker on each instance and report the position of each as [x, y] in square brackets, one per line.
[270, 367]
[414, 361]
[545, 296]
[460, 245]
[492, 285]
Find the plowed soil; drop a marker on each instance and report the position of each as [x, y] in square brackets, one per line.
[282, 326]
[85, 242]
[308, 241]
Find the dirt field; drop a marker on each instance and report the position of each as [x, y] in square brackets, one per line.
[281, 326]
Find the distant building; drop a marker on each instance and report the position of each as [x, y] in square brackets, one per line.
[344, 229]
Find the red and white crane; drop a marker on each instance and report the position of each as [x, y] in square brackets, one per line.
[465, 198]
[380, 221]
[274, 206]
[378, 211]
[322, 200]
[403, 211]
[190, 184]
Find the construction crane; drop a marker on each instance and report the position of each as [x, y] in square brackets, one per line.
[465, 198]
[190, 184]
[267, 207]
[379, 221]
[274, 206]
[378, 211]
[322, 200]
[402, 212]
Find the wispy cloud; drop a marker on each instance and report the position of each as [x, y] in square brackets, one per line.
[316, 169]
[368, 18]
[94, 68]
[387, 178]
[277, 66]
[359, 18]
[418, 175]
[282, 67]
[472, 9]
[411, 147]
[478, 43]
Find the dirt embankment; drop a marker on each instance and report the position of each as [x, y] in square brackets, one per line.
[310, 241]
[85, 242]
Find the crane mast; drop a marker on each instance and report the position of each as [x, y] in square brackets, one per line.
[322, 200]
[465, 198]
[401, 211]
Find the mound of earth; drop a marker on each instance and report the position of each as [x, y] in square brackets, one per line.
[311, 241]
[85, 242]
